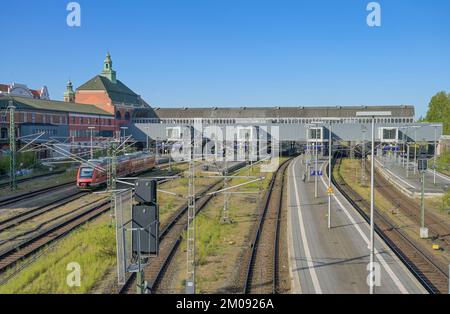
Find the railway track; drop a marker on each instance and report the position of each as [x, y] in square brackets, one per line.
[27, 195]
[431, 274]
[12, 255]
[261, 271]
[18, 181]
[439, 229]
[27, 215]
[170, 238]
[72, 219]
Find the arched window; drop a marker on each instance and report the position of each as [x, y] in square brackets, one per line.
[127, 116]
[118, 115]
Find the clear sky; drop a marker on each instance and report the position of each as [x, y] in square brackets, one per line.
[235, 52]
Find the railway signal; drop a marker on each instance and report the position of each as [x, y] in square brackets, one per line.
[145, 227]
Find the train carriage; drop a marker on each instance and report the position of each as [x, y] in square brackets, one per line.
[93, 174]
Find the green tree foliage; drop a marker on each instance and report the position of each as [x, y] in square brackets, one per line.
[24, 161]
[439, 110]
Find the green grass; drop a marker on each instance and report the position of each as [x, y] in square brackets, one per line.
[215, 241]
[443, 162]
[209, 238]
[92, 247]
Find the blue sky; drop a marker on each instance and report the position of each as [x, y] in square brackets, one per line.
[235, 52]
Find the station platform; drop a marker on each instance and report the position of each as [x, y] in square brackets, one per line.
[410, 182]
[335, 260]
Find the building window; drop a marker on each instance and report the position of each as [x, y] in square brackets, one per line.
[315, 134]
[4, 133]
[127, 116]
[118, 115]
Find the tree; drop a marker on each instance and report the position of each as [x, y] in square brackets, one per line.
[439, 110]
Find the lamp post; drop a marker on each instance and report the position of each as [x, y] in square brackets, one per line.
[315, 152]
[330, 147]
[373, 115]
[328, 122]
[92, 144]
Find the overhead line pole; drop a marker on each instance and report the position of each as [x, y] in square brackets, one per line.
[372, 196]
[372, 206]
[12, 146]
[329, 174]
[316, 166]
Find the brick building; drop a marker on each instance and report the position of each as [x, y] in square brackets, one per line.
[62, 121]
[109, 94]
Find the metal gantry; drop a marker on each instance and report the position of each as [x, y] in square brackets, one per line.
[190, 267]
[225, 217]
[12, 146]
[363, 157]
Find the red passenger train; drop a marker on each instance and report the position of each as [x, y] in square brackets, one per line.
[93, 174]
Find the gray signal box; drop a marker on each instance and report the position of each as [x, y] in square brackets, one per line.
[145, 215]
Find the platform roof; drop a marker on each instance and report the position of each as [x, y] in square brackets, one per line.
[271, 112]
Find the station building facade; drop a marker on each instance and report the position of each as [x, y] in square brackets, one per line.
[59, 121]
[111, 95]
[295, 126]
[103, 106]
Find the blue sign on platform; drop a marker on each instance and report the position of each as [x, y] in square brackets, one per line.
[313, 173]
[320, 173]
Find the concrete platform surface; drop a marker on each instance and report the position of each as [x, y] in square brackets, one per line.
[335, 260]
[412, 181]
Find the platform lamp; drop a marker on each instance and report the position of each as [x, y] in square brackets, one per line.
[329, 122]
[308, 127]
[373, 115]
